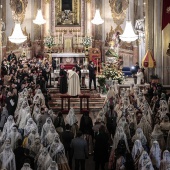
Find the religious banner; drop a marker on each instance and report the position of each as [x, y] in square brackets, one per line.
[148, 60]
[165, 13]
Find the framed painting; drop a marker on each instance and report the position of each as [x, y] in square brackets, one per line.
[18, 8]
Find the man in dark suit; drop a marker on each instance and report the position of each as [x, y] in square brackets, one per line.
[66, 138]
[80, 151]
[92, 75]
[101, 148]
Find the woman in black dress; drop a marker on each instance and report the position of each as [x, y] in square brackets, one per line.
[63, 80]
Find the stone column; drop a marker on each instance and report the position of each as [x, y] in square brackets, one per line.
[149, 30]
[88, 17]
[158, 37]
[47, 9]
[149, 24]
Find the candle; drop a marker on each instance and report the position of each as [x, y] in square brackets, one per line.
[77, 36]
[58, 38]
[62, 38]
[83, 61]
[97, 66]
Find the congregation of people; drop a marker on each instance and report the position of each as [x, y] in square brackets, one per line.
[130, 132]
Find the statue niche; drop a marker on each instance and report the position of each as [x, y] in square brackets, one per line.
[67, 12]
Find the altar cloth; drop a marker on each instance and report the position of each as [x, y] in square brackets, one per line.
[68, 55]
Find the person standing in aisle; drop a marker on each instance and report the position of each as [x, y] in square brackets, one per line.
[63, 80]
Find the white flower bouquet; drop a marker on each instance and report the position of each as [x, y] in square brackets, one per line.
[49, 41]
[87, 41]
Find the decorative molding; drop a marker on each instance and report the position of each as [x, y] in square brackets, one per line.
[118, 9]
[88, 1]
[18, 8]
[47, 1]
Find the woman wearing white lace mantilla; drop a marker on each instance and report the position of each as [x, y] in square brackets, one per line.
[158, 136]
[72, 120]
[57, 154]
[146, 127]
[31, 125]
[51, 135]
[14, 136]
[71, 117]
[7, 157]
[145, 162]
[44, 160]
[31, 138]
[136, 152]
[165, 162]
[7, 127]
[119, 135]
[39, 97]
[140, 136]
[24, 115]
[26, 166]
[53, 166]
[45, 129]
[36, 148]
[155, 155]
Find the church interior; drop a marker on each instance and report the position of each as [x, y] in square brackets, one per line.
[64, 62]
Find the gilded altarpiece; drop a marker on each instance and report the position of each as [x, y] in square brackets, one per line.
[67, 13]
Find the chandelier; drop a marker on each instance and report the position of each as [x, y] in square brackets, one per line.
[17, 35]
[128, 34]
[39, 20]
[97, 18]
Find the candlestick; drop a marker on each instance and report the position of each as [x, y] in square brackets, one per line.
[58, 38]
[97, 66]
[62, 38]
[77, 36]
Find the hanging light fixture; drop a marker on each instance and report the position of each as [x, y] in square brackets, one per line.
[97, 18]
[17, 35]
[128, 34]
[39, 20]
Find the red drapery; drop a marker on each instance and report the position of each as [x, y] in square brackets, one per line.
[165, 13]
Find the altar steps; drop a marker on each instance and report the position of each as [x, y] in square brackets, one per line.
[95, 101]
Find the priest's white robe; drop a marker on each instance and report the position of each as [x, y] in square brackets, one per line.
[73, 84]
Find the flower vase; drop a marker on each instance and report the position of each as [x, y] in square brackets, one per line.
[86, 51]
[50, 49]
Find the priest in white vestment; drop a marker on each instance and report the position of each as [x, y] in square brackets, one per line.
[73, 83]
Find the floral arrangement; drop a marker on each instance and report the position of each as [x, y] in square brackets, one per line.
[49, 41]
[154, 76]
[110, 72]
[87, 41]
[101, 80]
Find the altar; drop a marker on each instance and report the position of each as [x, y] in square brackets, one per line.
[69, 58]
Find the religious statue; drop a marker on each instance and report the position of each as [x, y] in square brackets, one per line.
[168, 50]
[2, 26]
[140, 25]
[19, 7]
